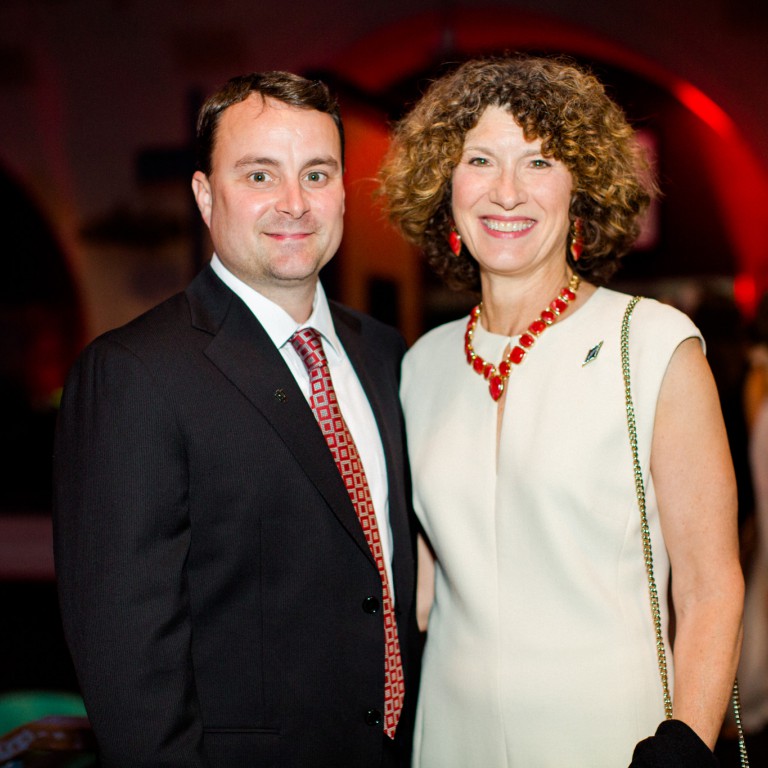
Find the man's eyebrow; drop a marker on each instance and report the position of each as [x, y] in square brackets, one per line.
[329, 160]
[250, 160]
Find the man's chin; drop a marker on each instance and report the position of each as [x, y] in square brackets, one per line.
[298, 270]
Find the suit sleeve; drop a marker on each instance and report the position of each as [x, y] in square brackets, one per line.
[121, 540]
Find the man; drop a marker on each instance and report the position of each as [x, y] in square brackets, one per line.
[226, 601]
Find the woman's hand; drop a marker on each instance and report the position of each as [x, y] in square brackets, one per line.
[425, 582]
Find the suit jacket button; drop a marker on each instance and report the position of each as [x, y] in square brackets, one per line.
[371, 605]
[373, 717]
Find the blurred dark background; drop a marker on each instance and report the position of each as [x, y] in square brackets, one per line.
[97, 105]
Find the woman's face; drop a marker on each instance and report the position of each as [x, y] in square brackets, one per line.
[510, 203]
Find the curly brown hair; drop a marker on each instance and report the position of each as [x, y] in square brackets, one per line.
[553, 100]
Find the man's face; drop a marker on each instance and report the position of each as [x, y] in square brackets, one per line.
[274, 200]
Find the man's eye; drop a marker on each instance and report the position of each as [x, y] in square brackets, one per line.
[316, 176]
[259, 177]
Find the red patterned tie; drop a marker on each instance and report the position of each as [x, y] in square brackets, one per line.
[323, 401]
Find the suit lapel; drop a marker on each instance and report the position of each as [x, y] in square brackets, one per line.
[244, 353]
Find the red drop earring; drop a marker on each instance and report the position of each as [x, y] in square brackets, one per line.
[577, 240]
[454, 240]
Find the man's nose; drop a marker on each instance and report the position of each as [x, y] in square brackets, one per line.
[292, 199]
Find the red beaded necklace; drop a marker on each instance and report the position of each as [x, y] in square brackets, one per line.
[497, 376]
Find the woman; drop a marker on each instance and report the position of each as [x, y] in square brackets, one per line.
[753, 667]
[520, 179]
[756, 384]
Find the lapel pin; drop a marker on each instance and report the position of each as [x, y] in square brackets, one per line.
[280, 395]
[592, 354]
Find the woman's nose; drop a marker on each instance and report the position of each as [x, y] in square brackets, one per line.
[508, 189]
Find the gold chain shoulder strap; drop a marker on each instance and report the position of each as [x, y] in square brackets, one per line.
[644, 528]
[646, 536]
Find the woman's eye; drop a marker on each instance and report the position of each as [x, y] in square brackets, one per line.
[540, 163]
[478, 161]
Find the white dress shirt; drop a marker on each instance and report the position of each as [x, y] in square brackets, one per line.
[280, 327]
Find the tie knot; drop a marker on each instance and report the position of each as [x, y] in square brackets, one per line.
[309, 345]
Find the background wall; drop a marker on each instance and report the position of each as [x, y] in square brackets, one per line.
[91, 88]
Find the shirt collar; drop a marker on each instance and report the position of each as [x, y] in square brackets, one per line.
[278, 324]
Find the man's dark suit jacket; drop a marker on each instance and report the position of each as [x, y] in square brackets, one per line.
[215, 583]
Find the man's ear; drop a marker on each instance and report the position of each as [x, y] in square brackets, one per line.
[201, 188]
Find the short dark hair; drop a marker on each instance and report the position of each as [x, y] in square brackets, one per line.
[550, 99]
[291, 89]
